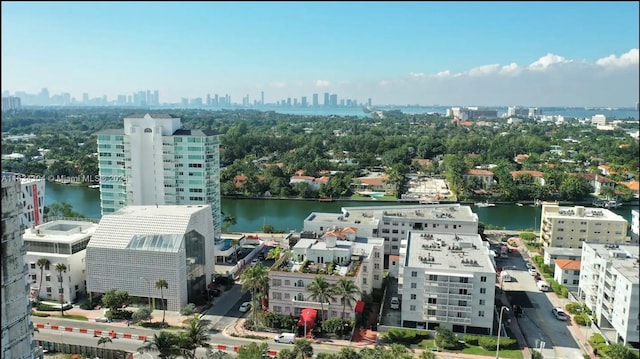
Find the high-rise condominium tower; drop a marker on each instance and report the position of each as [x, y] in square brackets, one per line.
[155, 161]
[17, 328]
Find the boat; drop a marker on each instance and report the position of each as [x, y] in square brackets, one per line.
[325, 199]
[485, 204]
[612, 203]
[94, 186]
[519, 204]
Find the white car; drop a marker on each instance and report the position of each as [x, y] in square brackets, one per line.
[395, 303]
[102, 320]
[533, 271]
[559, 314]
[529, 265]
[244, 307]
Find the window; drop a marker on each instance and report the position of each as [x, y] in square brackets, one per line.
[376, 266]
[277, 295]
[48, 289]
[287, 296]
[464, 280]
[33, 265]
[412, 308]
[376, 254]
[483, 279]
[414, 297]
[376, 277]
[462, 303]
[414, 274]
[48, 278]
[276, 283]
[481, 313]
[482, 302]
[431, 312]
[483, 290]
[287, 282]
[575, 282]
[413, 285]
[433, 277]
[576, 272]
[432, 300]
[364, 280]
[300, 283]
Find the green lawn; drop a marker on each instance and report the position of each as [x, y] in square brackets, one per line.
[475, 350]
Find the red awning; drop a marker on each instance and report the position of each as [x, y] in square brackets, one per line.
[359, 306]
[307, 316]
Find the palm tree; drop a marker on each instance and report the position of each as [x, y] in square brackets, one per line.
[235, 243]
[274, 253]
[256, 279]
[61, 268]
[195, 336]
[227, 222]
[165, 343]
[347, 291]
[303, 349]
[321, 291]
[42, 263]
[103, 341]
[162, 284]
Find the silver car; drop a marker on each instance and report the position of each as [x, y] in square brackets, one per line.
[559, 314]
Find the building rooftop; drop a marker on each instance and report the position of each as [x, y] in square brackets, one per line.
[372, 215]
[187, 132]
[568, 264]
[145, 227]
[62, 231]
[152, 115]
[446, 253]
[571, 252]
[622, 257]
[587, 213]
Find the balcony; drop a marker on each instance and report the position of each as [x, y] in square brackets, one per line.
[456, 308]
[455, 320]
[309, 304]
[452, 296]
[460, 285]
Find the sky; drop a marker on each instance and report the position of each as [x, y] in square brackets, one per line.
[427, 53]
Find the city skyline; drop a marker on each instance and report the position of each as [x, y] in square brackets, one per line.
[395, 53]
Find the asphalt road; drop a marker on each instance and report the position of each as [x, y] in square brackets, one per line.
[538, 323]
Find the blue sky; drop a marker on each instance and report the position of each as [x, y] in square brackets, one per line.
[413, 52]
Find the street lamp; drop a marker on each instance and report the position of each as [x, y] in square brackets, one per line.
[500, 330]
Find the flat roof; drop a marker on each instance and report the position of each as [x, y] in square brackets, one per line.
[590, 213]
[624, 258]
[448, 253]
[62, 231]
[372, 215]
[556, 251]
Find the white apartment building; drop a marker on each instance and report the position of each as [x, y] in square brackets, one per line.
[447, 280]
[136, 246]
[155, 161]
[338, 253]
[17, 328]
[62, 241]
[609, 287]
[567, 273]
[551, 254]
[569, 227]
[599, 120]
[394, 222]
[32, 197]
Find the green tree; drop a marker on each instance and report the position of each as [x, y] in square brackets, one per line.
[115, 299]
[303, 349]
[193, 337]
[607, 192]
[235, 242]
[321, 291]
[428, 354]
[575, 188]
[619, 351]
[333, 325]
[103, 341]
[42, 263]
[217, 355]
[274, 253]
[143, 313]
[162, 285]
[253, 351]
[165, 343]
[227, 222]
[61, 268]
[347, 291]
[256, 279]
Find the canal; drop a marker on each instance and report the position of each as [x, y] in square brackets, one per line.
[288, 215]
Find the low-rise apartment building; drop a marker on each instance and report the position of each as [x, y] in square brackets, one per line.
[551, 254]
[64, 242]
[447, 280]
[609, 287]
[570, 227]
[136, 246]
[567, 273]
[338, 253]
[392, 223]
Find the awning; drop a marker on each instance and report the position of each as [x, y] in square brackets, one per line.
[359, 306]
[307, 316]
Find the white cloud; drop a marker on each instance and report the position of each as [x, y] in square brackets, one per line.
[322, 83]
[548, 60]
[278, 84]
[383, 83]
[628, 59]
[484, 70]
[511, 69]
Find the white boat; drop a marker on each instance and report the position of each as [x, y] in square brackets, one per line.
[519, 204]
[485, 204]
[94, 186]
[612, 203]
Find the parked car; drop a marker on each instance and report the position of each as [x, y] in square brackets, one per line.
[244, 307]
[288, 338]
[102, 320]
[537, 277]
[529, 265]
[533, 271]
[395, 303]
[559, 314]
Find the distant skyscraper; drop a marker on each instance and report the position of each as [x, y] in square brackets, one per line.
[334, 100]
[369, 102]
[11, 103]
[262, 97]
[85, 98]
[326, 99]
[304, 101]
[315, 100]
[154, 161]
[208, 100]
[17, 328]
[216, 100]
[156, 98]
